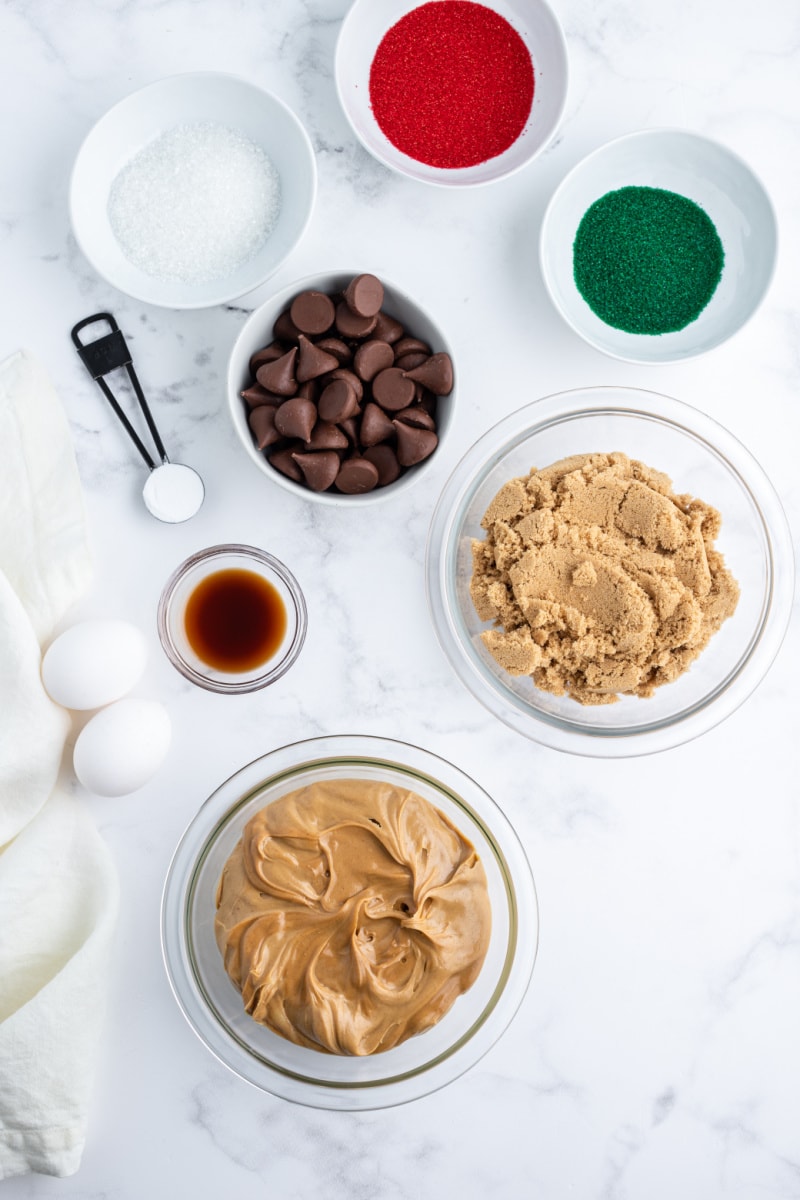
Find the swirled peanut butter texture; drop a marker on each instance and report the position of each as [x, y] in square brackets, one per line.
[599, 580]
[351, 915]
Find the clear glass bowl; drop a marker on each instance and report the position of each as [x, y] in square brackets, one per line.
[213, 1005]
[172, 609]
[702, 459]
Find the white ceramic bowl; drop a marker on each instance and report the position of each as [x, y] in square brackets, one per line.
[257, 332]
[139, 119]
[213, 1005]
[363, 29]
[702, 459]
[703, 171]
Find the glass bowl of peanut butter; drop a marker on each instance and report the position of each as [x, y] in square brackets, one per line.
[349, 922]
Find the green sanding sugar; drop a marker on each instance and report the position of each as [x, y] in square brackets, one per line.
[646, 260]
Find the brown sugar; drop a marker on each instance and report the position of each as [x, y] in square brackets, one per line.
[599, 580]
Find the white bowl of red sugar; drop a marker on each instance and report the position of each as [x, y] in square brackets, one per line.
[193, 190]
[452, 92]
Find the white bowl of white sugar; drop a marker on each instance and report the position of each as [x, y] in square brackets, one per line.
[192, 191]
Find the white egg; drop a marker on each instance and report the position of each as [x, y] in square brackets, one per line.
[94, 663]
[122, 746]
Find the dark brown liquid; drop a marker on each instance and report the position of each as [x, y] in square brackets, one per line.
[235, 620]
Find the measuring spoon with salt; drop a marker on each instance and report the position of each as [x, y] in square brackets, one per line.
[172, 492]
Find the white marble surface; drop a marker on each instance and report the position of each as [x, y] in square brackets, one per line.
[657, 1052]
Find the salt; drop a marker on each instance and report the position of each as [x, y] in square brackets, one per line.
[195, 204]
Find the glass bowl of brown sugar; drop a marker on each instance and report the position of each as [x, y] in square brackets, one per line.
[609, 572]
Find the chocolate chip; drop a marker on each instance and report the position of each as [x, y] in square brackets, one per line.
[428, 401]
[350, 324]
[309, 390]
[407, 362]
[285, 329]
[312, 312]
[257, 395]
[392, 390]
[283, 461]
[320, 469]
[337, 348]
[412, 345]
[268, 354]
[413, 445]
[356, 476]
[387, 329]
[296, 418]
[338, 401]
[417, 416]
[384, 459]
[436, 374]
[262, 423]
[313, 362]
[350, 427]
[375, 426]
[371, 357]
[327, 436]
[364, 295]
[352, 379]
[278, 376]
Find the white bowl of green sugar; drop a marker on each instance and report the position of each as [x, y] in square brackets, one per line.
[193, 190]
[658, 246]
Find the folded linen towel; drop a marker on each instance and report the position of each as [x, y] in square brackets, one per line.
[58, 887]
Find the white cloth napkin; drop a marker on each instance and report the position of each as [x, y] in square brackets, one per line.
[58, 887]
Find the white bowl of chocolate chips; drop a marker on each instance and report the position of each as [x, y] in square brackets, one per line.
[341, 388]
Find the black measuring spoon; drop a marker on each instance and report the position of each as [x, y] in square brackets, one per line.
[172, 492]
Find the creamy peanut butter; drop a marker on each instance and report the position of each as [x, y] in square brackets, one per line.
[600, 580]
[351, 915]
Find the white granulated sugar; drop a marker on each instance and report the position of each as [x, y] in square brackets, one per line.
[195, 204]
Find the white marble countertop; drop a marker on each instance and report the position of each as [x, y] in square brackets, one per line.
[657, 1052]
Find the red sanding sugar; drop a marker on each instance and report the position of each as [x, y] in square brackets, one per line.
[451, 84]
